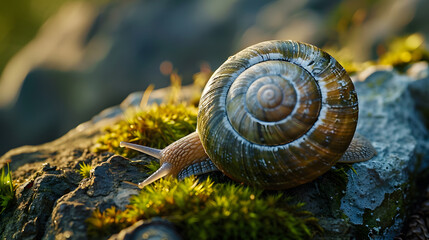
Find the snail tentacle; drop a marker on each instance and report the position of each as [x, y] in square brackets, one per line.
[156, 153]
[163, 171]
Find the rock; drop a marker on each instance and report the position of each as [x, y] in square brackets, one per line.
[369, 201]
[156, 228]
[376, 197]
[35, 201]
[104, 189]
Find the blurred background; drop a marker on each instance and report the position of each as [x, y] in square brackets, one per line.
[62, 62]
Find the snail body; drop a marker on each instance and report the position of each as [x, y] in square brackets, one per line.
[275, 115]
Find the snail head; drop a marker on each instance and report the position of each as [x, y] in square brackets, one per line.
[175, 157]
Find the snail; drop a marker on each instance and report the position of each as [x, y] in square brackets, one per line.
[276, 115]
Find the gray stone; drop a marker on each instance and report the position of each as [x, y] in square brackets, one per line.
[376, 196]
[35, 201]
[104, 189]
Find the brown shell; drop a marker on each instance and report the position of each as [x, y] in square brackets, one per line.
[277, 114]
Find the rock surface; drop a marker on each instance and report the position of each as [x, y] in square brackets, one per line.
[377, 195]
[53, 200]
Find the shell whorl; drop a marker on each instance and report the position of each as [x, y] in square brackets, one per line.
[277, 114]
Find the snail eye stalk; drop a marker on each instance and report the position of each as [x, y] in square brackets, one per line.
[156, 153]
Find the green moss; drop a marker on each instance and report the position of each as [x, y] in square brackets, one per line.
[200, 80]
[338, 174]
[154, 126]
[84, 170]
[399, 53]
[151, 167]
[7, 193]
[405, 50]
[332, 188]
[203, 210]
[384, 216]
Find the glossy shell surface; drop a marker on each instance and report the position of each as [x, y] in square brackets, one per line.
[277, 114]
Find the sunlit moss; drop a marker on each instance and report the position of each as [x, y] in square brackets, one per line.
[399, 53]
[405, 50]
[84, 170]
[154, 126]
[151, 166]
[176, 86]
[203, 210]
[200, 80]
[7, 193]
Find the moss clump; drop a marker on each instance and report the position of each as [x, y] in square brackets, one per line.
[405, 50]
[384, 216]
[331, 188]
[151, 167]
[155, 126]
[7, 193]
[203, 210]
[84, 170]
[338, 174]
[399, 53]
[200, 80]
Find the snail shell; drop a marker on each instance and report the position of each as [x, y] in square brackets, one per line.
[275, 115]
[286, 110]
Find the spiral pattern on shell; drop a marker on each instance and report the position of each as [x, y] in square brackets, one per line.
[277, 114]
